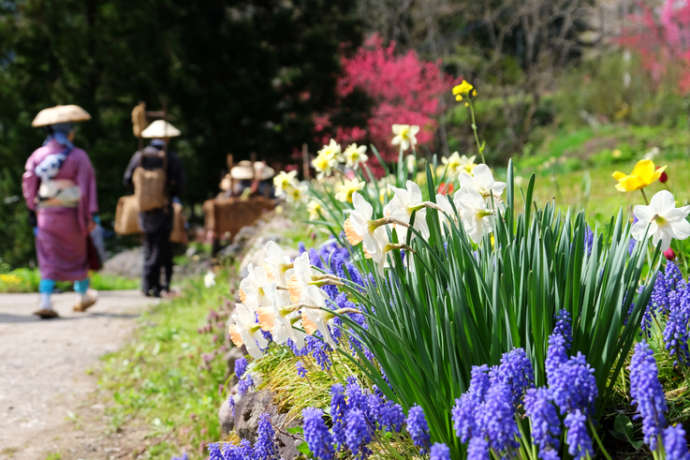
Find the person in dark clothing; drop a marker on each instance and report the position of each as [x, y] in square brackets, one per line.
[157, 223]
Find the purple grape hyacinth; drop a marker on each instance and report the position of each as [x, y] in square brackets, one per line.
[240, 367]
[316, 434]
[264, 447]
[647, 393]
[515, 371]
[546, 426]
[497, 418]
[478, 449]
[439, 452]
[463, 414]
[357, 433]
[675, 445]
[579, 442]
[301, 370]
[573, 385]
[418, 428]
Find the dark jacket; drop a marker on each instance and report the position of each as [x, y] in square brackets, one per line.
[148, 158]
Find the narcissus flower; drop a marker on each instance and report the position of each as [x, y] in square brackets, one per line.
[244, 330]
[284, 181]
[661, 220]
[355, 155]
[456, 163]
[404, 202]
[482, 182]
[327, 159]
[464, 89]
[296, 194]
[315, 209]
[405, 136]
[344, 191]
[643, 174]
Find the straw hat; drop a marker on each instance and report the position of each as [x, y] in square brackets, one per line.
[160, 129]
[242, 171]
[263, 171]
[60, 114]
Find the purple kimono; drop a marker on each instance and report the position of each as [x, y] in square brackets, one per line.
[62, 231]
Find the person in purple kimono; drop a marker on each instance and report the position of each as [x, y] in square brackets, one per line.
[59, 187]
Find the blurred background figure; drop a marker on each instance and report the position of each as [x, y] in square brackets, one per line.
[59, 187]
[156, 174]
[248, 179]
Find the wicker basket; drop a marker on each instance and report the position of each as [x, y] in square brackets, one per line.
[229, 215]
[179, 233]
[127, 216]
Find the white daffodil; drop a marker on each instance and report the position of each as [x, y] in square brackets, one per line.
[315, 209]
[278, 320]
[255, 287]
[405, 136]
[456, 163]
[375, 246]
[661, 220]
[276, 263]
[283, 182]
[404, 202]
[209, 279]
[344, 191]
[244, 330]
[482, 181]
[354, 155]
[299, 278]
[296, 193]
[356, 226]
[475, 214]
[327, 159]
[314, 318]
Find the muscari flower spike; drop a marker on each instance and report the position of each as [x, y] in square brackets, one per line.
[647, 393]
[317, 435]
[418, 428]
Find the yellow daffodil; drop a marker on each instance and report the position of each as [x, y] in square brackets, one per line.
[344, 191]
[464, 89]
[405, 136]
[643, 174]
[315, 209]
[327, 159]
[355, 155]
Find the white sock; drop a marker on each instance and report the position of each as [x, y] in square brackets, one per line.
[45, 302]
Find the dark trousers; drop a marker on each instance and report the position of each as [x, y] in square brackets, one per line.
[157, 254]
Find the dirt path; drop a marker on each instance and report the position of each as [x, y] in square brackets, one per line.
[45, 387]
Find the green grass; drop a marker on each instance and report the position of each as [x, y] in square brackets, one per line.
[156, 379]
[593, 189]
[27, 279]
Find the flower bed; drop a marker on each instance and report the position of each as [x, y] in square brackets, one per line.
[472, 326]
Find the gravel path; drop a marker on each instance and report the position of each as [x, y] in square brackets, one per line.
[44, 378]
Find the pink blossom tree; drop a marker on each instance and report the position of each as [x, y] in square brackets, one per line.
[661, 37]
[402, 88]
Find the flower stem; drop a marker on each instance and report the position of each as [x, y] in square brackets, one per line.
[644, 195]
[596, 437]
[474, 130]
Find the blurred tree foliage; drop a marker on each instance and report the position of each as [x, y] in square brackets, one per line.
[235, 77]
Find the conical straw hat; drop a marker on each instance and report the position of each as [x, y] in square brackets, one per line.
[242, 171]
[263, 171]
[60, 114]
[160, 129]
